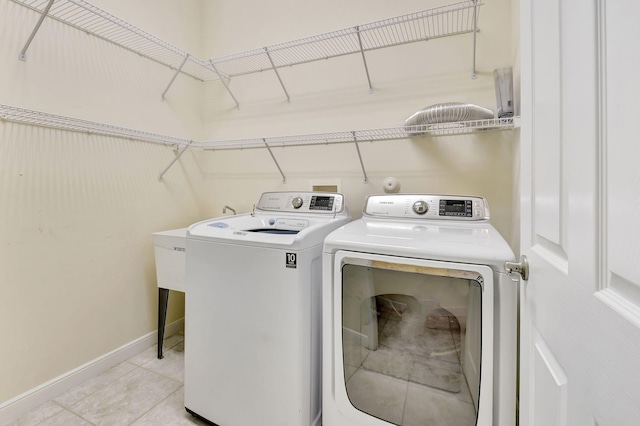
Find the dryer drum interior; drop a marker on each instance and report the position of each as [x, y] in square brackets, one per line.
[412, 341]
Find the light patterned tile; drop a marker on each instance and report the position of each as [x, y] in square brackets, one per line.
[65, 418]
[171, 341]
[179, 347]
[92, 385]
[169, 412]
[126, 398]
[144, 356]
[171, 366]
[38, 414]
[175, 342]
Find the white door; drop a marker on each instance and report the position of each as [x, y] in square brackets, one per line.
[580, 212]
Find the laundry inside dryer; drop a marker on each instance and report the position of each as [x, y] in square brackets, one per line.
[411, 345]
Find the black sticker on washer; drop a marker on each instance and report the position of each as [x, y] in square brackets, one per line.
[292, 260]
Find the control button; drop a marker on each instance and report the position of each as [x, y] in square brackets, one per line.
[297, 202]
[272, 221]
[420, 207]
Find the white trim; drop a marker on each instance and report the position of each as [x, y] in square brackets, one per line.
[621, 304]
[15, 407]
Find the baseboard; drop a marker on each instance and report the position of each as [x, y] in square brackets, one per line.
[15, 407]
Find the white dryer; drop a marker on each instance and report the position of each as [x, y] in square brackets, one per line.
[253, 311]
[419, 316]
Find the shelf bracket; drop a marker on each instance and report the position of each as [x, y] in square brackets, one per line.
[174, 76]
[474, 75]
[284, 179]
[364, 172]
[226, 86]
[273, 66]
[364, 59]
[182, 151]
[23, 53]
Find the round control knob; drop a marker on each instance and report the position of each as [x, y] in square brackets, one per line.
[296, 202]
[420, 207]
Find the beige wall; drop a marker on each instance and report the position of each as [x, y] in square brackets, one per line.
[77, 211]
[333, 95]
[76, 265]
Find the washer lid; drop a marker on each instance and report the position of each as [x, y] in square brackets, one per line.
[267, 229]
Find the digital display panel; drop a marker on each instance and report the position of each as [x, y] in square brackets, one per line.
[453, 206]
[319, 202]
[456, 208]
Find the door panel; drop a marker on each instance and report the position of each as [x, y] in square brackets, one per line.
[550, 386]
[547, 105]
[580, 186]
[622, 105]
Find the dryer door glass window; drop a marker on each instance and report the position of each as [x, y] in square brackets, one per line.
[412, 344]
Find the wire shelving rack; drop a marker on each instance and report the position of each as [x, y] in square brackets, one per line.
[454, 19]
[95, 21]
[60, 122]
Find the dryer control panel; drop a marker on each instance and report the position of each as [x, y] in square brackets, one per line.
[427, 206]
[301, 202]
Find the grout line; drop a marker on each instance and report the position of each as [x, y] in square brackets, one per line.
[101, 387]
[158, 373]
[85, 419]
[181, 388]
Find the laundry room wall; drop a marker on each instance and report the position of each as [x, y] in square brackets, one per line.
[333, 95]
[77, 268]
[76, 256]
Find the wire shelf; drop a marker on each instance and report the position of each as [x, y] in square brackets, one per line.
[38, 118]
[390, 133]
[88, 18]
[44, 119]
[457, 18]
[444, 21]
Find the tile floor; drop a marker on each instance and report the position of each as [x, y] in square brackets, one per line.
[147, 391]
[140, 391]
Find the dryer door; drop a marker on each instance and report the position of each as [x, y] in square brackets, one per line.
[412, 341]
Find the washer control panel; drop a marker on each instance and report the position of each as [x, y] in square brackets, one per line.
[427, 206]
[301, 202]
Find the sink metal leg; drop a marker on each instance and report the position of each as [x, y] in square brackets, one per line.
[163, 301]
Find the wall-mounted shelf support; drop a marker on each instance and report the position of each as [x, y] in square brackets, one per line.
[364, 60]
[182, 151]
[284, 179]
[364, 172]
[224, 82]
[266, 49]
[475, 33]
[23, 53]
[174, 76]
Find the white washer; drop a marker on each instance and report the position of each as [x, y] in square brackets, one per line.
[419, 316]
[253, 311]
